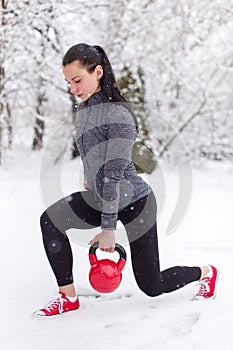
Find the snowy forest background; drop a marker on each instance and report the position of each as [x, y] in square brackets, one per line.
[173, 61]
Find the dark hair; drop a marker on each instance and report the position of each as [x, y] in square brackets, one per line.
[90, 57]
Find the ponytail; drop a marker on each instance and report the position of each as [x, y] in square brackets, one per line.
[108, 80]
[109, 85]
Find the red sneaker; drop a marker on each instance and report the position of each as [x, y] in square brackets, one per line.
[57, 306]
[207, 285]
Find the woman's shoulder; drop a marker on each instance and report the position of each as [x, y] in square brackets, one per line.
[116, 112]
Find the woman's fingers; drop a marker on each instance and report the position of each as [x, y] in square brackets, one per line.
[106, 241]
[108, 250]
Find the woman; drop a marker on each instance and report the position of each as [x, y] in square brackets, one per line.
[106, 132]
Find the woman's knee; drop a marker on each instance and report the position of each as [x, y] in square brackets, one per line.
[149, 287]
[54, 217]
[49, 223]
[151, 293]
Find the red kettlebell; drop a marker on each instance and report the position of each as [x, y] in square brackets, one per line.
[105, 275]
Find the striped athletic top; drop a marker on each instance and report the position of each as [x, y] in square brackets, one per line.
[105, 135]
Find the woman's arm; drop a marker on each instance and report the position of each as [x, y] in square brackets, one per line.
[121, 134]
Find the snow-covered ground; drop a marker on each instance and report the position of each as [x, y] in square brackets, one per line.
[125, 319]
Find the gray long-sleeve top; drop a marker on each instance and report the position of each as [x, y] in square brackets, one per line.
[105, 135]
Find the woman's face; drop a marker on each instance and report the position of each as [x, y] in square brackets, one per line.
[82, 83]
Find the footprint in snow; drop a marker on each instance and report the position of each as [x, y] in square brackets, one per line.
[182, 325]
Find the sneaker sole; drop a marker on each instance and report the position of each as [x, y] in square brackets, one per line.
[40, 317]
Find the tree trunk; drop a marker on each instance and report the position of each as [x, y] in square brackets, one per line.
[39, 126]
[38, 134]
[2, 73]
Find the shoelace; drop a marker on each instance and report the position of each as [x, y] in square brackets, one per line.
[58, 301]
[204, 287]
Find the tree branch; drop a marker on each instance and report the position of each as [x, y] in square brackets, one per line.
[181, 128]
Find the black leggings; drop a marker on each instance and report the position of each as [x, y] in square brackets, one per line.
[80, 211]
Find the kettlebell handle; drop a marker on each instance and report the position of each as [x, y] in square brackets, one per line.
[118, 248]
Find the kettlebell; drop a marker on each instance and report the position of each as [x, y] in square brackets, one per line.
[105, 275]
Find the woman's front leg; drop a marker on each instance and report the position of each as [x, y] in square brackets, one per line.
[68, 290]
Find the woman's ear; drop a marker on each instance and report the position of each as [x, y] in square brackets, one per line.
[99, 71]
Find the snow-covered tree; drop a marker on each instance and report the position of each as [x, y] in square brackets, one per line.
[4, 106]
[184, 49]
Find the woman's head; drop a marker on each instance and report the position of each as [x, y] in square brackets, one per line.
[93, 60]
[83, 70]
[88, 70]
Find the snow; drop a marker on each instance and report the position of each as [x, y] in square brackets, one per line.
[125, 319]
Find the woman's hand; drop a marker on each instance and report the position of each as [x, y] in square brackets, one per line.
[106, 240]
